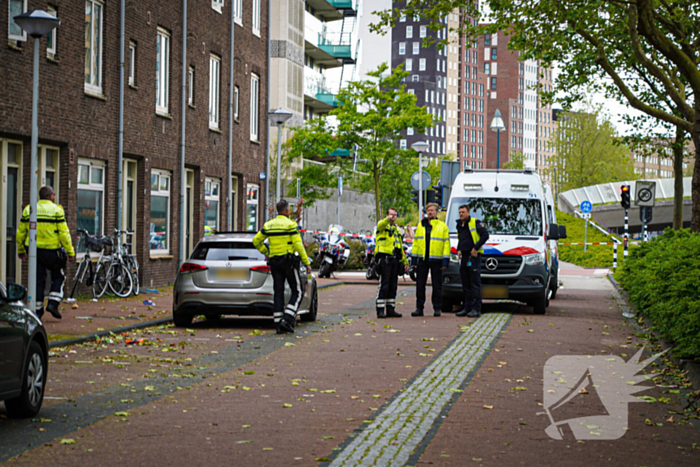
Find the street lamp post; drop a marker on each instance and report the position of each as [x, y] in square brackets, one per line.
[278, 117]
[36, 23]
[498, 125]
[420, 147]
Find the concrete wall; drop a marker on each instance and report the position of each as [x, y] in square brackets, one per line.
[356, 212]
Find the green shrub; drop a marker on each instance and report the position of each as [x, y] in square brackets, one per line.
[596, 256]
[662, 280]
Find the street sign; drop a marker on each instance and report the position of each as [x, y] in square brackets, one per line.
[448, 172]
[340, 186]
[645, 193]
[262, 175]
[645, 214]
[586, 215]
[586, 207]
[426, 180]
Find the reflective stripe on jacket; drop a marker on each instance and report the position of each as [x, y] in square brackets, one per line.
[284, 239]
[388, 240]
[439, 242]
[51, 229]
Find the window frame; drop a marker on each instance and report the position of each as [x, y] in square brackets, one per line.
[209, 184]
[43, 166]
[409, 32]
[217, 5]
[51, 36]
[256, 18]
[416, 48]
[236, 108]
[10, 22]
[190, 85]
[92, 186]
[402, 48]
[237, 6]
[252, 202]
[162, 71]
[95, 55]
[254, 107]
[132, 64]
[163, 194]
[214, 91]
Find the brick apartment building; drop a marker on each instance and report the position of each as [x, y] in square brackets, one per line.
[78, 122]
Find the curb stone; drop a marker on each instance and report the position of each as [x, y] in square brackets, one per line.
[692, 368]
[146, 324]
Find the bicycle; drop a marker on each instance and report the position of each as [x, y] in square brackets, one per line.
[132, 263]
[116, 275]
[86, 268]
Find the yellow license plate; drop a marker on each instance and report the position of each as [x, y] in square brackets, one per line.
[494, 291]
[232, 275]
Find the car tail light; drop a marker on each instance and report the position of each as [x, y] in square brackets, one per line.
[188, 268]
[263, 269]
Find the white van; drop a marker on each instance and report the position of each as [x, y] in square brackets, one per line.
[553, 244]
[517, 261]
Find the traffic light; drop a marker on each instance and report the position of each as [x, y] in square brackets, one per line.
[414, 196]
[438, 195]
[625, 196]
[430, 198]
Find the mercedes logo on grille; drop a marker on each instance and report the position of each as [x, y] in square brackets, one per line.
[491, 264]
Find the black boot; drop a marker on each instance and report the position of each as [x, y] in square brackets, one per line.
[380, 313]
[418, 312]
[52, 308]
[437, 312]
[463, 312]
[474, 314]
[286, 326]
[391, 313]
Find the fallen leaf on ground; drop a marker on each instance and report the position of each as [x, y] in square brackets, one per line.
[487, 407]
[68, 441]
[287, 406]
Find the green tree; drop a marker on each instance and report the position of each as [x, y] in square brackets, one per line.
[371, 116]
[588, 152]
[594, 41]
[516, 162]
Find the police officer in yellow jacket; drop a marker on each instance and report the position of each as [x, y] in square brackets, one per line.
[285, 240]
[390, 257]
[53, 242]
[430, 254]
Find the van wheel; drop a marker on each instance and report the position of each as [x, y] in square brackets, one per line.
[313, 307]
[540, 305]
[182, 321]
[554, 286]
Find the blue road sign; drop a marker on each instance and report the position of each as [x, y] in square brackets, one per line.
[426, 180]
[586, 207]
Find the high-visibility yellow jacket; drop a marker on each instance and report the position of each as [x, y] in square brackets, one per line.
[477, 237]
[51, 229]
[389, 241]
[439, 242]
[284, 238]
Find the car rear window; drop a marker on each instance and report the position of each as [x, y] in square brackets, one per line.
[227, 251]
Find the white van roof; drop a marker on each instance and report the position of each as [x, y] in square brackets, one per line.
[493, 183]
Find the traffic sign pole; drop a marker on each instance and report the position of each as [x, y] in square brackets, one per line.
[585, 235]
[627, 229]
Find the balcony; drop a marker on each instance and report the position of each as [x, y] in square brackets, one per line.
[317, 94]
[332, 10]
[329, 49]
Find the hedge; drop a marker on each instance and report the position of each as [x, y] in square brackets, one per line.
[662, 279]
[596, 256]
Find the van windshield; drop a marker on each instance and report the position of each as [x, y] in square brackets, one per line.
[500, 216]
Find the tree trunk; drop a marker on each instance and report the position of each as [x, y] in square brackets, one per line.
[678, 179]
[695, 184]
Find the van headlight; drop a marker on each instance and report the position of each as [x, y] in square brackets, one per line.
[535, 259]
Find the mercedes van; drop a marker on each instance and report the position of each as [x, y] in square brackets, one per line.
[517, 260]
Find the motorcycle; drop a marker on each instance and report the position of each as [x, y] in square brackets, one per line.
[368, 258]
[333, 251]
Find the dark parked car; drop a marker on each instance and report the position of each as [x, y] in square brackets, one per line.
[24, 355]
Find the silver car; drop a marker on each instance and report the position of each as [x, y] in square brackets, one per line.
[227, 275]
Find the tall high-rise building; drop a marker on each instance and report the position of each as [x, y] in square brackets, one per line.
[546, 125]
[427, 79]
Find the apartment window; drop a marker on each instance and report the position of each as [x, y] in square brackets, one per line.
[514, 126]
[217, 5]
[212, 190]
[423, 31]
[487, 68]
[190, 86]
[93, 46]
[252, 202]
[481, 152]
[51, 36]
[254, 106]
[402, 48]
[409, 32]
[48, 167]
[402, 144]
[414, 78]
[15, 33]
[214, 82]
[409, 65]
[481, 137]
[416, 48]
[487, 39]
[521, 68]
[238, 11]
[421, 64]
[473, 72]
[494, 53]
[91, 186]
[256, 17]
[402, 18]
[160, 211]
[132, 64]
[236, 93]
[162, 67]
[409, 131]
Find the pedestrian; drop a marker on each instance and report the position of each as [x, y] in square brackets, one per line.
[284, 256]
[472, 236]
[430, 254]
[390, 258]
[53, 248]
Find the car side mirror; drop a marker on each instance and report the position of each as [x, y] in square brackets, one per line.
[562, 232]
[15, 292]
[553, 232]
